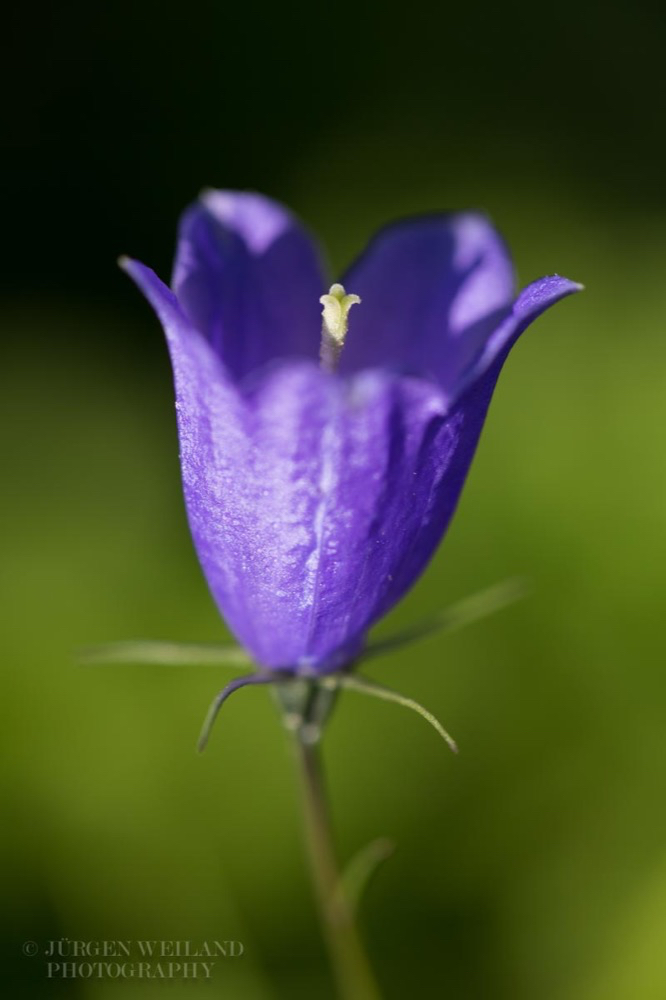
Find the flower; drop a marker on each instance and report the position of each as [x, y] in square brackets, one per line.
[318, 488]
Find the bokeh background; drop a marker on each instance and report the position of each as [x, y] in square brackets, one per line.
[534, 865]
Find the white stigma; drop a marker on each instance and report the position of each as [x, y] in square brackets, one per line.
[335, 313]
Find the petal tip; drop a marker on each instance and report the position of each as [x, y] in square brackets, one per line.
[130, 266]
[539, 295]
[568, 286]
[209, 195]
[256, 218]
[565, 287]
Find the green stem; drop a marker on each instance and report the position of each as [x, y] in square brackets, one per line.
[352, 970]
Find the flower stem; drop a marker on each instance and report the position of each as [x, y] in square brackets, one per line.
[352, 970]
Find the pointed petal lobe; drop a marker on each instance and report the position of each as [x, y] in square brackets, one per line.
[248, 277]
[432, 290]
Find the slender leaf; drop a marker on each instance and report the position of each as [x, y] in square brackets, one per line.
[362, 867]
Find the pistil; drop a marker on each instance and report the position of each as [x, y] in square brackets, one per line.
[336, 305]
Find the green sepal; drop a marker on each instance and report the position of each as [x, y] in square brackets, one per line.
[456, 616]
[166, 654]
[354, 682]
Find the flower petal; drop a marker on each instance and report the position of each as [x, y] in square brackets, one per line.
[457, 439]
[532, 301]
[205, 395]
[214, 442]
[432, 290]
[315, 501]
[356, 481]
[248, 276]
[335, 481]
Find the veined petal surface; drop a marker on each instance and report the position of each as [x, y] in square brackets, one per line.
[248, 277]
[432, 290]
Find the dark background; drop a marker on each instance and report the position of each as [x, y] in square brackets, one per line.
[535, 864]
[119, 113]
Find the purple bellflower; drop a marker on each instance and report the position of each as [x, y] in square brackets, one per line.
[321, 470]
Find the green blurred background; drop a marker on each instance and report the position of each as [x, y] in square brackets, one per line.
[534, 864]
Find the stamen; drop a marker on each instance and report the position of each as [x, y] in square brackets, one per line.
[336, 305]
